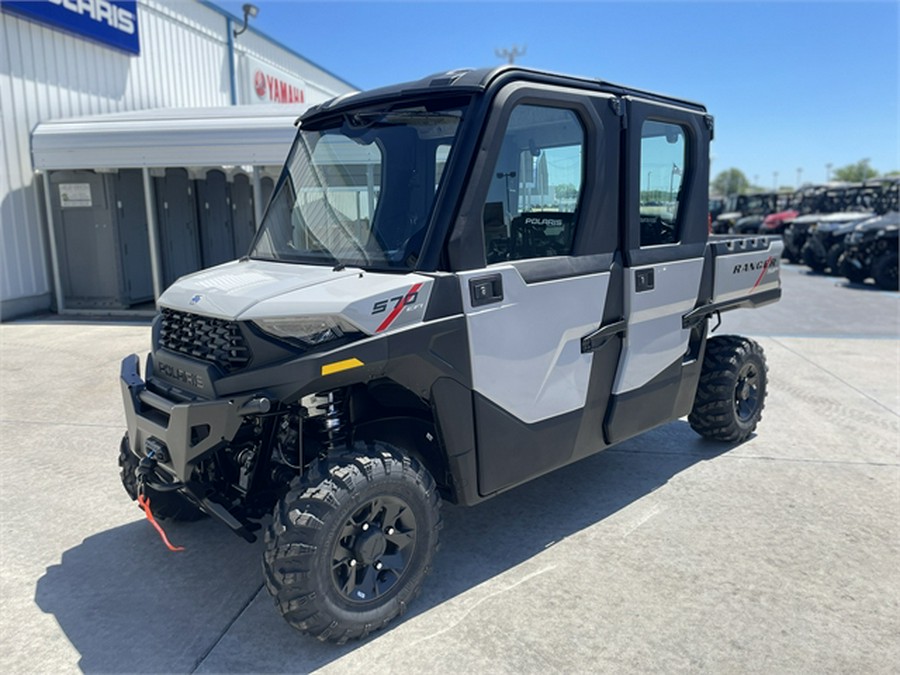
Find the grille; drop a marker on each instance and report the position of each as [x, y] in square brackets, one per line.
[200, 337]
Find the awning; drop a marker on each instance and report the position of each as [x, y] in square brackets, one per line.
[258, 135]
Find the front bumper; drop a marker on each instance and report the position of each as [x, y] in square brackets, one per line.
[186, 431]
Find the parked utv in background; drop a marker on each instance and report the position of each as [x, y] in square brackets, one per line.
[871, 240]
[716, 207]
[884, 259]
[824, 242]
[460, 284]
[745, 213]
[819, 204]
[826, 239]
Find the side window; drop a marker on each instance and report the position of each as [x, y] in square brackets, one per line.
[663, 157]
[536, 184]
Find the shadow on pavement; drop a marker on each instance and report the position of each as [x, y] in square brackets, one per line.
[127, 604]
[861, 286]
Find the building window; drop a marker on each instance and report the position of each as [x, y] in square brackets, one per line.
[663, 159]
[536, 185]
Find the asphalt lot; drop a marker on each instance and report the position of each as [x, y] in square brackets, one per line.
[666, 553]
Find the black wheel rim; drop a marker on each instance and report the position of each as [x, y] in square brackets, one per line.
[746, 392]
[374, 549]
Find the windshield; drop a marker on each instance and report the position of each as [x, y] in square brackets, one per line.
[360, 191]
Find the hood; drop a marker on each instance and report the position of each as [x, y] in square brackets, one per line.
[879, 222]
[845, 216]
[228, 290]
[841, 217]
[730, 215]
[781, 215]
[746, 220]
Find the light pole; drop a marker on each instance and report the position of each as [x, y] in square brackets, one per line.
[507, 176]
[511, 54]
[828, 172]
[799, 176]
[250, 12]
[774, 181]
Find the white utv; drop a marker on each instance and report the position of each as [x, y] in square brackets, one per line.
[460, 284]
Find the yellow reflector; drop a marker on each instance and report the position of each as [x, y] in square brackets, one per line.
[338, 366]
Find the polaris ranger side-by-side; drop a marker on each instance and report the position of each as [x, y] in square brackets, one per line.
[460, 284]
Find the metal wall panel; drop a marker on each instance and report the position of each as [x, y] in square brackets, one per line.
[87, 239]
[242, 214]
[214, 218]
[132, 225]
[176, 211]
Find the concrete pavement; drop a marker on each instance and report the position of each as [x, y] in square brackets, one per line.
[666, 553]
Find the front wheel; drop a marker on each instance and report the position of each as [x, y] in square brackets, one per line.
[884, 271]
[855, 273]
[834, 257]
[346, 555]
[731, 394]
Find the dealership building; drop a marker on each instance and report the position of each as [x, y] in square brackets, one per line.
[140, 141]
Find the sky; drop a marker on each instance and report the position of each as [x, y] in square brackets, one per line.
[793, 86]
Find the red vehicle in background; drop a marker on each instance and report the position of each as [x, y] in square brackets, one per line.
[775, 223]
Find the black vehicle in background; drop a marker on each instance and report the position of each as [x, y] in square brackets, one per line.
[825, 241]
[884, 258]
[818, 203]
[868, 240]
[828, 238]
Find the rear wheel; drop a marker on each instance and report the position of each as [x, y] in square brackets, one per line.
[164, 505]
[346, 555]
[731, 394]
[811, 260]
[884, 271]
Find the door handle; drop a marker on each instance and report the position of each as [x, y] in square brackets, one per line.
[486, 290]
[594, 341]
[643, 280]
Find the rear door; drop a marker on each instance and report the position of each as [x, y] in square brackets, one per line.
[543, 199]
[665, 217]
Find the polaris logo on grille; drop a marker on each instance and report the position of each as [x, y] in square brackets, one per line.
[192, 379]
[196, 299]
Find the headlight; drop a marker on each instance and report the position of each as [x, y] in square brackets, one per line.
[311, 330]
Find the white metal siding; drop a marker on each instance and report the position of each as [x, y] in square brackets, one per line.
[47, 74]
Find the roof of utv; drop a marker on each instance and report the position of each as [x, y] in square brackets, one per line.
[468, 80]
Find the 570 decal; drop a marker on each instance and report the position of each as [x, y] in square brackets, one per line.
[399, 302]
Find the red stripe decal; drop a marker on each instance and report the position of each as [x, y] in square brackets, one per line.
[763, 273]
[399, 308]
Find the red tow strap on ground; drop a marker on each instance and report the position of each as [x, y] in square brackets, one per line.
[144, 503]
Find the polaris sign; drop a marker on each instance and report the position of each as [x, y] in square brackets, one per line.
[113, 23]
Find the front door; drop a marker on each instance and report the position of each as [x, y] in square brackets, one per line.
[545, 282]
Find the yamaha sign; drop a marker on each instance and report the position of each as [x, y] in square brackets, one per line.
[267, 84]
[113, 23]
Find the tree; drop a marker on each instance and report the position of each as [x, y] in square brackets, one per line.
[855, 173]
[730, 182]
[565, 191]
